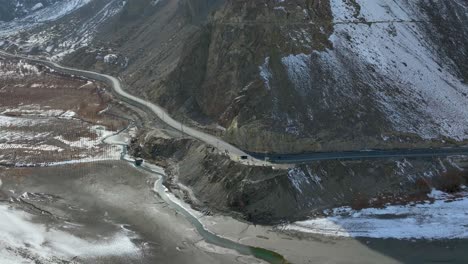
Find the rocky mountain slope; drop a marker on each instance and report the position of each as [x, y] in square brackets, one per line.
[282, 76]
[14, 9]
[324, 75]
[297, 75]
[58, 28]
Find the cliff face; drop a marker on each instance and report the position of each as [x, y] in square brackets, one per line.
[226, 85]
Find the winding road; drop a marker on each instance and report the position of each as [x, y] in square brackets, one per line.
[251, 158]
[218, 143]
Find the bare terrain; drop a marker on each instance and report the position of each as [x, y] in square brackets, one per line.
[47, 117]
[65, 196]
[102, 212]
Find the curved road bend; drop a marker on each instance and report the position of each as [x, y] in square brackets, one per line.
[235, 153]
[218, 143]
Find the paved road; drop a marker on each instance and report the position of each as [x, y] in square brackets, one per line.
[234, 152]
[221, 145]
[359, 155]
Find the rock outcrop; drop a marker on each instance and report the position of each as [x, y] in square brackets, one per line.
[271, 196]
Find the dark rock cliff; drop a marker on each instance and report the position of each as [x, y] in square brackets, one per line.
[270, 196]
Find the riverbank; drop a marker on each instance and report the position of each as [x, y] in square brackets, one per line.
[98, 200]
[299, 247]
[123, 197]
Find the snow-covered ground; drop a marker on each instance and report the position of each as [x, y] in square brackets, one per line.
[22, 240]
[67, 36]
[33, 111]
[17, 69]
[40, 16]
[21, 134]
[381, 45]
[400, 53]
[445, 218]
[35, 131]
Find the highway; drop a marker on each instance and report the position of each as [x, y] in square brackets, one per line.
[251, 158]
[222, 146]
[360, 155]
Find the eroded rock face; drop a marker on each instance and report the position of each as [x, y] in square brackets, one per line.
[225, 80]
[271, 196]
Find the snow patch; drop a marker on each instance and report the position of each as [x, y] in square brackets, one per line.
[298, 178]
[37, 6]
[443, 219]
[110, 58]
[265, 73]
[298, 69]
[155, 2]
[18, 232]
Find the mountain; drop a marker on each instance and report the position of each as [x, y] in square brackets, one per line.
[15, 9]
[283, 76]
[58, 27]
[299, 75]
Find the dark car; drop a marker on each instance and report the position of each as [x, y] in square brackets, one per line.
[138, 162]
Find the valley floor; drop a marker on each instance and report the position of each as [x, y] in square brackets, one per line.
[103, 212]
